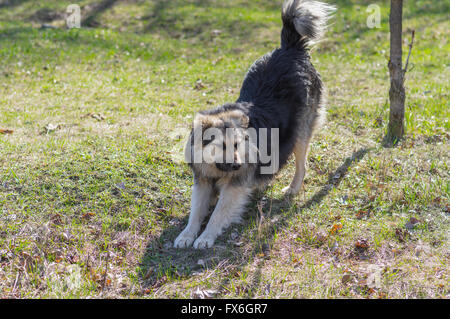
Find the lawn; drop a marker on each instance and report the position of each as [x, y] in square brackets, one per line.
[94, 190]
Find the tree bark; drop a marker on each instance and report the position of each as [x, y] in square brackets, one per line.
[397, 91]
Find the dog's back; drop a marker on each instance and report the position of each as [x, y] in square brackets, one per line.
[283, 86]
[282, 91]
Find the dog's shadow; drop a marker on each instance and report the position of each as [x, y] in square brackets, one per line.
[161, 263]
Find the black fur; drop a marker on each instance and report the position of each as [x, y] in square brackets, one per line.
[278, 90]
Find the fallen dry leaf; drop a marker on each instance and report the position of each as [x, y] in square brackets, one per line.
[401, 234]
[97, 116]
[87, 215]
[382, 295]
[56, 219]
[362, 244]
[336, 218]
[335, 228]
[6, 131]
[362, 214]
[199, 85]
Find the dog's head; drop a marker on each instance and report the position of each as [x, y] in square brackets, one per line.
[220, 144]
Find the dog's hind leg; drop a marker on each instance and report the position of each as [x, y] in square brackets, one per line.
[231, 204]
[202, 193]
[300, 151]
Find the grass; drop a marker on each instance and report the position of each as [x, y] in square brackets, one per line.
[93, 189]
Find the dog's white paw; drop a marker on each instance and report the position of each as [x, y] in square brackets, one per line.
[289, 191]
[206, 240]
[185, 239]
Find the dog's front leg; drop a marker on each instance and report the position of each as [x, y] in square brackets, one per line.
[300, 151]
[231, 203]
[202, 192]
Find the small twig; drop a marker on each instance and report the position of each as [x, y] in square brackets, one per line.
[106, 272]
[16, 281]
[261, 217]
[409, 54]
[87, 262]
[269, 214]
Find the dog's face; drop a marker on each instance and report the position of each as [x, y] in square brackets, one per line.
[223, 143]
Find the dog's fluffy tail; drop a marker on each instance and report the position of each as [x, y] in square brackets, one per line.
[304, 22]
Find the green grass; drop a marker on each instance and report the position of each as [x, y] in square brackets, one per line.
[91, 206]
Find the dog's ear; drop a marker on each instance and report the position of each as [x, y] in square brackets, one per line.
[244, 121]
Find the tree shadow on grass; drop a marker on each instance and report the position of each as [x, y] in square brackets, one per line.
[90, 19]
[411, 10]
[333, 181]
[11, 3]
[202, 19]
[161, 262]
[358, 28]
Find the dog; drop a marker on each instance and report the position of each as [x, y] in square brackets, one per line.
[282, 96]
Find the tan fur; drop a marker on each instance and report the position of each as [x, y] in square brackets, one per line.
[300, 152]
[232, 198]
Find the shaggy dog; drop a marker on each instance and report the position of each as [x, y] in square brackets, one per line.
[238, 147]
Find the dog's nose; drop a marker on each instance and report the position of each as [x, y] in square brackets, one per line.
[235, 166]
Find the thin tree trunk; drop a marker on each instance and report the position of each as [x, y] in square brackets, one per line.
[397, 90]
